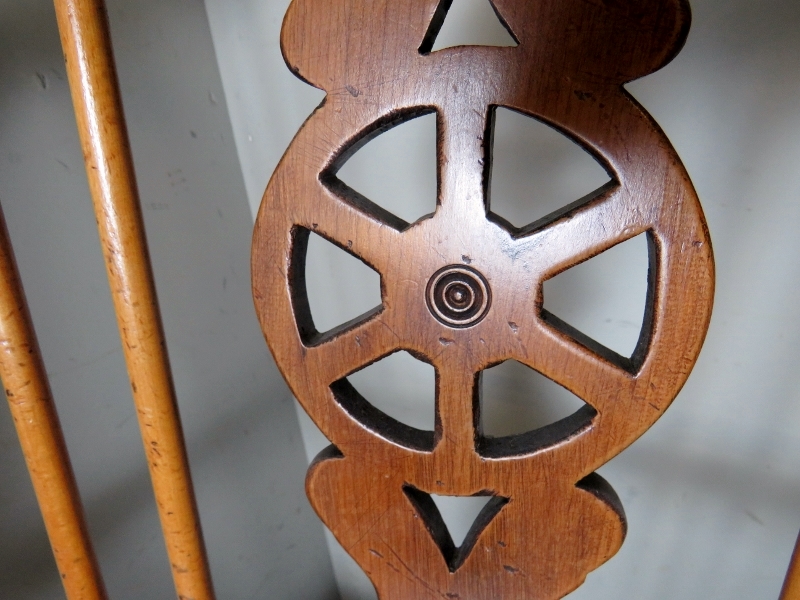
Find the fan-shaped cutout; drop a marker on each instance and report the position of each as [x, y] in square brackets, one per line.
[517, 399]
[339, 286]
[393, 168]
[521, 412]
[402, 387]
[466, 23]
[455, 522]
[606, 297]
[536, 170]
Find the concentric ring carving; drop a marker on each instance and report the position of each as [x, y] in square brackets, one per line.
[458, 296]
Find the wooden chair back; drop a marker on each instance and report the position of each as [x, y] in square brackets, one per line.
[461, 290]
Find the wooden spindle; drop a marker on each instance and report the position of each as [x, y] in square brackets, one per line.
[85, 38]
[40, 436]
[791, 586]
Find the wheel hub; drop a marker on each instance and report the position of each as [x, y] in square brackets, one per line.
[458, 296]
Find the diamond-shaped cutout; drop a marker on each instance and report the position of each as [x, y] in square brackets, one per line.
[604, 300]
[466, 23]
[536, 170]
[332, 288]
[390, 172]
[451, 518]
[516, 399]
[395, 397]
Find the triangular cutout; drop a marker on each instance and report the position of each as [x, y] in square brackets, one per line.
[466, 23]
[606, 298]
[451, 518]
[516, 399]
[536, 170]
[392, 169]
[459, 513]
[339, 287]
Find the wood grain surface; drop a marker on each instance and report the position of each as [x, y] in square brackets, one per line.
[85, 38]
[552, 519]
[36, 421]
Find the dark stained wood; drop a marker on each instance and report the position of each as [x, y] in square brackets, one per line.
[553, 520]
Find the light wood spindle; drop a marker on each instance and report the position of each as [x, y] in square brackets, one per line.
[39, 431]
[791, 586]
[86, 41]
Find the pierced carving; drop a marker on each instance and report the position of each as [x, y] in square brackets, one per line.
[483, 305]
[427, 510]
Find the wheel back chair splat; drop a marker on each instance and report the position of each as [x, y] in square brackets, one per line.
[461, 290]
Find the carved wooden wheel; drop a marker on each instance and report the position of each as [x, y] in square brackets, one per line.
[462, 288]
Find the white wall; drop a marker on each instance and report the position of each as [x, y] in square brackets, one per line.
[244, 443]
[712, 492]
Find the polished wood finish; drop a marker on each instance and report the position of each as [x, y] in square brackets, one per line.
[552, 520]
[31, 403]
[90, 66]
[791, 586]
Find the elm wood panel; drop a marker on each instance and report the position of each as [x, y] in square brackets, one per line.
[560, 520]
[92, 76]
[30, 400]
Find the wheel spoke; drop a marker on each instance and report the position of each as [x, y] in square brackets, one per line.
[306, 192]
[592, 227]
[595, 374]
[349, 227]
[455, 404]
[461, 165]
[351, 346]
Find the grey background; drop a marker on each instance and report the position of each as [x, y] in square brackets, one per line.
[712, 492]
